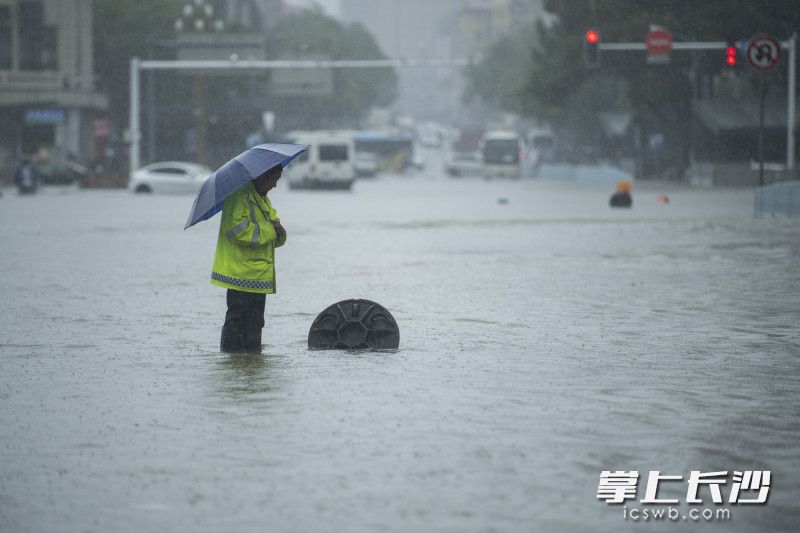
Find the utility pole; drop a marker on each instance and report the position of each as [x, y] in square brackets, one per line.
[201, 124]
[134, 131]
[791, 110]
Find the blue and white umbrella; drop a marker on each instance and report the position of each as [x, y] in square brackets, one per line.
[234, 174]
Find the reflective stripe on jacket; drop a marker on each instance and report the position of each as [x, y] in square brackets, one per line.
[246, 243]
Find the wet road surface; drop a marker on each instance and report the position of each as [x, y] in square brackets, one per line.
[544, 338]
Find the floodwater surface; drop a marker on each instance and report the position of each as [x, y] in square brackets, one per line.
[544, 338]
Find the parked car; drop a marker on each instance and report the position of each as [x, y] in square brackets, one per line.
[169, 177]
[458, 164]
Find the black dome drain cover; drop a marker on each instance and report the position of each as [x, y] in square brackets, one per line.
[354, 325]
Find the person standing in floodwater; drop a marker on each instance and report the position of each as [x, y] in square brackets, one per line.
[244, 263]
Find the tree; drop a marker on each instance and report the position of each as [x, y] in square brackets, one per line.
[311, 34]
[501, 77]
[559, 88]
[232, 102]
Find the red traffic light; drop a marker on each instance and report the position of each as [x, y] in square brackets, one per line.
[730, 55]
[591, 48]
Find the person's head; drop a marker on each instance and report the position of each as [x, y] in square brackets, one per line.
[267, 181]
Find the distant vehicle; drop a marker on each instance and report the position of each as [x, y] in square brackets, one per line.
[395, 149]
[468, 138]
[26, 177]
[430, 140]
[541, 143]
[502, 152]
[170, 177]
[366, 164]
[541, 149]
[417, 160]
[60, 170]
[329, 162]
[430, 134]
[463, 164]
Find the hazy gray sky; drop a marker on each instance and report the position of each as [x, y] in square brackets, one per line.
[330, 6]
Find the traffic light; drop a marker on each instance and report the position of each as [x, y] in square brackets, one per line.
[591, 48]
[730, 54]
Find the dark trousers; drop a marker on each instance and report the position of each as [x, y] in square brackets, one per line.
[243, 322]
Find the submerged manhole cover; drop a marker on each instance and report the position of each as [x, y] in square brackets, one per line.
[354, 325]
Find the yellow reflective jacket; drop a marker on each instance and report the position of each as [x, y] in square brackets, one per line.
[245, 257]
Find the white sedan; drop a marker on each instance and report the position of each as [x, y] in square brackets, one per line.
[169, 177]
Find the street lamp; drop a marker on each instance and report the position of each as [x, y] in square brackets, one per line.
[198, 17]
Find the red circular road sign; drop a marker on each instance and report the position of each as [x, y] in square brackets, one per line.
[658, 41]
[763, 52]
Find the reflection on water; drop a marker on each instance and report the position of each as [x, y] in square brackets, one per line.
[244, 376]
[532, 356]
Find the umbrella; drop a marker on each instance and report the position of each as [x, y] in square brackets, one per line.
[231, 176]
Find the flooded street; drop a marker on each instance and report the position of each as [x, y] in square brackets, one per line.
[543, 338]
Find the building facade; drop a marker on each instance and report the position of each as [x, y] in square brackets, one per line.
[418, 29]
[480, 23]
[444, 29]
[47, 83]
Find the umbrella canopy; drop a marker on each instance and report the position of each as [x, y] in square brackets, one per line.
[231, 176]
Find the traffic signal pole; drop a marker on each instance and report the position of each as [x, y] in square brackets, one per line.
[791, 113]
[708, 45]
[134, 131]
[791, 90]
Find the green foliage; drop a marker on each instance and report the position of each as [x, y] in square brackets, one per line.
[500, 79]
[557, 87]
[553, 67]
[313, 34]
[122, 29]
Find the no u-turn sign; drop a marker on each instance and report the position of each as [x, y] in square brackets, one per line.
[763, 52]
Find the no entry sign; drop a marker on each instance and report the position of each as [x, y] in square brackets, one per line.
[658, 42]
[763, 52]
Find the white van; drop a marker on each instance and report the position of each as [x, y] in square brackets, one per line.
[501, 155]
[327, 164]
